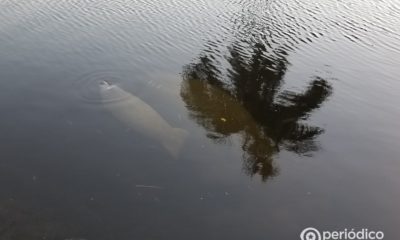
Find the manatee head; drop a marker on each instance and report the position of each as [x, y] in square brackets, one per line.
[111, 92]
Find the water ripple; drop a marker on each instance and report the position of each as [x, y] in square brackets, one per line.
[149, 29]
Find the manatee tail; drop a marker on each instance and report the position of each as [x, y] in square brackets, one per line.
[175, 141]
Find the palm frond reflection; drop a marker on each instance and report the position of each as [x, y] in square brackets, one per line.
[249, 101]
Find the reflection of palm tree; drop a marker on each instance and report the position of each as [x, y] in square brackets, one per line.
[251, 103]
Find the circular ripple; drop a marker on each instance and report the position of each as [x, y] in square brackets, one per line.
[102, 87]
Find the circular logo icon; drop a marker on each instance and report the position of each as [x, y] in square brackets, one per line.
[310, 234]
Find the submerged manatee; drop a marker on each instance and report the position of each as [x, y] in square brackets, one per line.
[141, 117]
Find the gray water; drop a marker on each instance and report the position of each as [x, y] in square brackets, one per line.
[291, 109]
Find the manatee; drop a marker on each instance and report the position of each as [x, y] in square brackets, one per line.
[142, 118]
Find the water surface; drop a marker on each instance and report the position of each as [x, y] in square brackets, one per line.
[291, 109]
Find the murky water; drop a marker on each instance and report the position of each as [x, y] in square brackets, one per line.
[184, 119]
